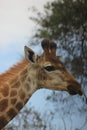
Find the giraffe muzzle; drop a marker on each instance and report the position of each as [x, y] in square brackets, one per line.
[75, 88]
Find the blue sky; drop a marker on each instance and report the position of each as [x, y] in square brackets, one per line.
[15, 29]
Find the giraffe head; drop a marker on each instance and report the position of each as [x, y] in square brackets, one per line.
[51, 72]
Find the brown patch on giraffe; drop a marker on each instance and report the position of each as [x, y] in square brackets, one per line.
[27, 98]
[23, 77]
[24, 72]
[16, 84]
[4, 90]
[25, 101]
[13, 80]
[3, 105]
[11, 113]
[19, 105]
[3, 122]
[29, 79]
[13, 101]
[0, 95]
[33, 83]
[22, 94]
[13, 93]
[42, 75]
[27, 87]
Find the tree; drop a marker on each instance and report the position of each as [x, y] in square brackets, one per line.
[62, 16]
[66, 22]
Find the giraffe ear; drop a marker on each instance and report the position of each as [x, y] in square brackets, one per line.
[29, 54]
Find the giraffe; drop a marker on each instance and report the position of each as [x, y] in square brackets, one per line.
[32, 73]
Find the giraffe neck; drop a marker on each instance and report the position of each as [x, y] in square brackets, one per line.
[15, 94]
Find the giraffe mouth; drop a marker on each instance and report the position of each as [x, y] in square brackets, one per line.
[71, 90]
[74, 89]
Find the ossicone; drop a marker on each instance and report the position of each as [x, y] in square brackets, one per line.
[45, 44]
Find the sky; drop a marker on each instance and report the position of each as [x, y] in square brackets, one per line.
[16, 29]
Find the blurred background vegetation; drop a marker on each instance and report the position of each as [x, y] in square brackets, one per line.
[65, 22]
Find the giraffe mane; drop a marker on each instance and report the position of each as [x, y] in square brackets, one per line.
[13, 71]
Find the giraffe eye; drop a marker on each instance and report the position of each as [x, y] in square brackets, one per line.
[50, 68]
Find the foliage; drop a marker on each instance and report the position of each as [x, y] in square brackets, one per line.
[61, 17]
[65, 21]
